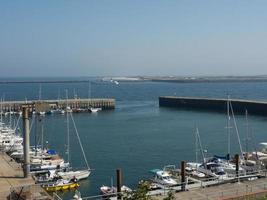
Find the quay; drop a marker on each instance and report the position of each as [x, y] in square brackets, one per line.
[213, 104]
[13, 185]
[231, 191]
[47, 105]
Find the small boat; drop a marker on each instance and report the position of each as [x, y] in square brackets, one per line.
[80, 174]
[61, 185]
[41, 113]
[162, 177]
[94, 110]
[77, 195]
[108, 191]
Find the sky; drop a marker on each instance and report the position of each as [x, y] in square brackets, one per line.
[130, 38]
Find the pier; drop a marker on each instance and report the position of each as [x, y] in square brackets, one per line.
[13, 185]
[47, 105]
[213, 104]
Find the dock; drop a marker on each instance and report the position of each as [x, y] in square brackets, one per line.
[214, 104]
[13, 183]
[238, 190]
[47, 105]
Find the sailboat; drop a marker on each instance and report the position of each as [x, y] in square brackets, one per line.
[79, 174]
[90, 108]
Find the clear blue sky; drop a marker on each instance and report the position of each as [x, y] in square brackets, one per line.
[132, 37]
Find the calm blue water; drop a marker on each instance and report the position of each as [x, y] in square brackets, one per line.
[138, 135]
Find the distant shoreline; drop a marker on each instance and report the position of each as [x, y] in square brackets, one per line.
[174, 79]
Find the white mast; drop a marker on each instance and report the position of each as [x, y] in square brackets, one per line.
[228, 125]
[89, 93]
[200, 144]
[237, 132]
[196, 146]
[247, 131]
[68, 130]
[76, 131]
[1, 110]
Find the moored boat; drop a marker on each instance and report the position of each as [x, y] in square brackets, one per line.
[80, 174]
[61, 185]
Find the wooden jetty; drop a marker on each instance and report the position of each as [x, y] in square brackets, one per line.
[46, 105]
[212, 104]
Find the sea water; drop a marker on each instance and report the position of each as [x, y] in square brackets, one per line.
[139, 135]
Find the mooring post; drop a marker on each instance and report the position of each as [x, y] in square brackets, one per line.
[183, 176]
[237, 166]
[26, 142]
[119, 183]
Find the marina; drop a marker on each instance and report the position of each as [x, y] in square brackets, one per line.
[133, 100]
[211, 175]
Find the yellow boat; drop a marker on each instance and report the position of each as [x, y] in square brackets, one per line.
[60, 186]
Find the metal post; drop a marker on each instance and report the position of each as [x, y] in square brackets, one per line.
[183, 176]
[26, 142]
[119, 183]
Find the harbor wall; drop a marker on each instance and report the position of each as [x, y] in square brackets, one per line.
[46, 105]
[212, 104]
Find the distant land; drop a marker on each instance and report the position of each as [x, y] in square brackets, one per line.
[178, 79]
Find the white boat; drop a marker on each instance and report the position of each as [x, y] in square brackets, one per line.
[79, 175]
[77, 195]
[108, 191]
[163, 178]
[94, 110]
[42, 113]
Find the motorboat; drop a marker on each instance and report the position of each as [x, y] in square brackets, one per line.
[94, 110]
[108, 191]
[163, 178]
[61, 185]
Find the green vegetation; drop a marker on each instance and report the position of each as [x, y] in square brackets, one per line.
[259, 198]
[170, 196]
[140, 193]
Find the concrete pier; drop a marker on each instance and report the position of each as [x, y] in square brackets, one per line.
[212, 104]
[13, 181]
[46, 105]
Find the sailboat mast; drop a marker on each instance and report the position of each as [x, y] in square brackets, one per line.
[35, 135]
[196, 146]
[247, 131]
[1, 110]
[10, 122]
[228, 126]
[76, 131]
[237, 132]
[200, 144]
[89, 93]
[42, 141]
[68, 130]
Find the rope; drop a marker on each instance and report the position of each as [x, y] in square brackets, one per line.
[76, 131]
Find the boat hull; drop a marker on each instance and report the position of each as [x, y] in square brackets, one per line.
[68, 186]
[79, 175]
